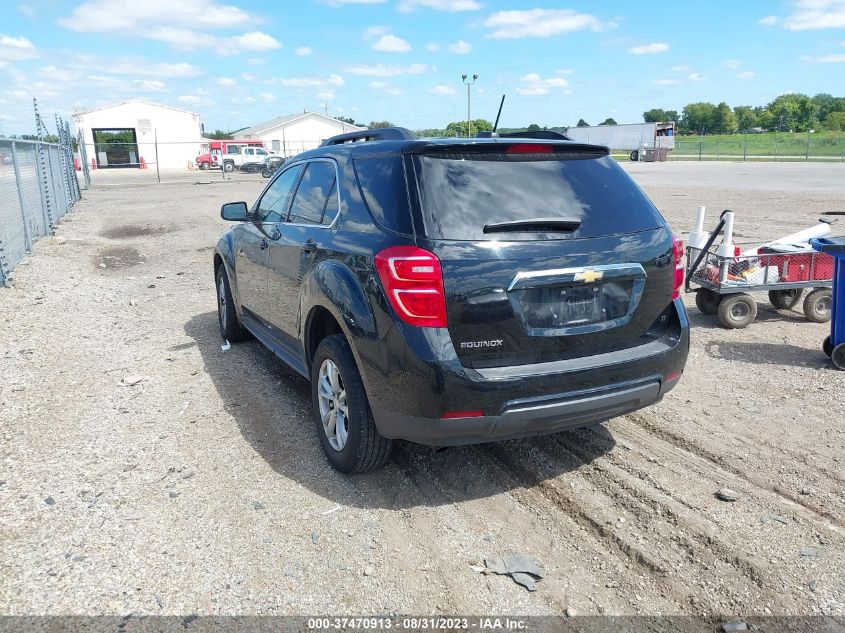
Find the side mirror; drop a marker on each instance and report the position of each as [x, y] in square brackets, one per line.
[234, 211]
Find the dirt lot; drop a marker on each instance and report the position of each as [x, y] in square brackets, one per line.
[203, 489]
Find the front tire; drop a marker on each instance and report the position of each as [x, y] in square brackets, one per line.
[635, 155]
[342, 415]
[228, 167]
[227, 317]
[818, 306]
[203, 166]
[737, 311]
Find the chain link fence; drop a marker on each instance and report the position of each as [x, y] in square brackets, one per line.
[38, 186]
[762, 147]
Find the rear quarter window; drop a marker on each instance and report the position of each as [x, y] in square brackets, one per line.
[385, 191]
[462, 193]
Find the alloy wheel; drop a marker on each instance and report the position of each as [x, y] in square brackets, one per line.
[334, 412]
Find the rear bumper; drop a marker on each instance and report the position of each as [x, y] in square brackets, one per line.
[524, 418]
[521, 401]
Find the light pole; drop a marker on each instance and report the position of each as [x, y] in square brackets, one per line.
[468, 85]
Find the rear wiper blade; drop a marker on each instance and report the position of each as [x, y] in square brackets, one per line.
[534, 224]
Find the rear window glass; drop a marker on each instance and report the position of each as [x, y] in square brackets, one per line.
[382, 181]
[461, 193]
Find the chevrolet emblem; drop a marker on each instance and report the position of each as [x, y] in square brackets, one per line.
[589, 276]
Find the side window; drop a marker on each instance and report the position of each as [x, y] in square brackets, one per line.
[249, 151]
[272, 206]
[312, 196]
[260, 152]
[331, 210]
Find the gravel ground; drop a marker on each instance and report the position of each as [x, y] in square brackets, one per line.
[202, 489]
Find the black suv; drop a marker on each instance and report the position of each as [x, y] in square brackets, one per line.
[453, 291]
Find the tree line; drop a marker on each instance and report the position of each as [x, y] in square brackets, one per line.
[790, 112]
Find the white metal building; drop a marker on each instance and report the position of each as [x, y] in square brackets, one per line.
[134, 132]
[289, 135]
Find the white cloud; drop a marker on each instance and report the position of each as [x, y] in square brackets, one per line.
[15, 49]
[565, 71]
[732, 63]
[28, 11]
[432, 47]
[540, 23]
[406, 6]
[649, 49]
[340, 3]
[256, 61]
[666, 82]
[303, 51]
[747, 74]
[682, 68]
[833, 58]
[696, 77]
[769, 20]
[159, 70]
[460, 48]
[254, 41]
[150, 85]
[386, 70]
[307, 82]
[533, 84]
[383, 86]
[814, 15]
[391, 44]
[226, 82]
[100, 16]
[443, 90]
[189, 99]
[325, 95]
[269, 97]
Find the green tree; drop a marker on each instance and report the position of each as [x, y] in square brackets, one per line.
[724, 121]
[534, 128]
[658, 115]
[220, 135]
[698, 118]
[459, 128]
[374, 125]
[582, 123]
[835, 121]
[346, 119]
[608, 121]
[745, 118]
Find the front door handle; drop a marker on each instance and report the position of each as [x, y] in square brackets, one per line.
[309, 247]
[263, 244]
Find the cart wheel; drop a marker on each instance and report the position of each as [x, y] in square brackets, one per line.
[785, 299]
[818, 305]
[707, 301]
[827, 347]
[838, 356]
[737, 311]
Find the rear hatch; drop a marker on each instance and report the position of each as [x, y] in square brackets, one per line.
[548, 251]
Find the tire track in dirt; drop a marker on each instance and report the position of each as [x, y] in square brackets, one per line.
[693, 448]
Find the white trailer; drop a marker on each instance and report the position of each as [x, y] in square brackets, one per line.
[643, 141]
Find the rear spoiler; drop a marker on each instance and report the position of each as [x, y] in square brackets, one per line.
[547, 135]
[569, 149]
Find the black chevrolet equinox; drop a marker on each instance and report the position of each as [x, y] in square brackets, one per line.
[453, 291]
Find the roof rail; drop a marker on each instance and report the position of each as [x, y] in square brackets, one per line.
[377, 134]
[547, 135]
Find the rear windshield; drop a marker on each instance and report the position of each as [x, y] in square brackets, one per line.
[461, 193]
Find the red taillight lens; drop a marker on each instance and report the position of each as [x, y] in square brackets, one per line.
[457, 415]
[678, 257]
[413, 281]
[530, 148]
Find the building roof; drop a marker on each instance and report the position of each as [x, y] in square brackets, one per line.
[149, 103]
[284, 121]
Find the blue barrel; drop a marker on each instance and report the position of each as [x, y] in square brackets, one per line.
[834, 345]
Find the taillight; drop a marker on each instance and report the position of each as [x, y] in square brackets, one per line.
[413, 281]
[530, 148]
[678, 257]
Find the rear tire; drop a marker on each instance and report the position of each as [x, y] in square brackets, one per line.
[818, 305]
[737, 311]
[635, 155]
[228, 167]
[708, 301]
[349, 436]
[785, 299]
[227, 317]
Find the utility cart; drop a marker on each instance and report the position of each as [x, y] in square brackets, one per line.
[723, 279]
[834, 345]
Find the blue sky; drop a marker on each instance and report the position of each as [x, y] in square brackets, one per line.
[239, 62]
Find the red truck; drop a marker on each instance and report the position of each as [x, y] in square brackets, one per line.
[218, 150]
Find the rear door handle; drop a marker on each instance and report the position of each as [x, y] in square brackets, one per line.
[263, 244]
[309, 247]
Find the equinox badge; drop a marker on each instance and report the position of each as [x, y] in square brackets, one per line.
[472, 344]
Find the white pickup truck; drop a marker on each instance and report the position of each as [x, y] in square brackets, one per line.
[252, 156]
